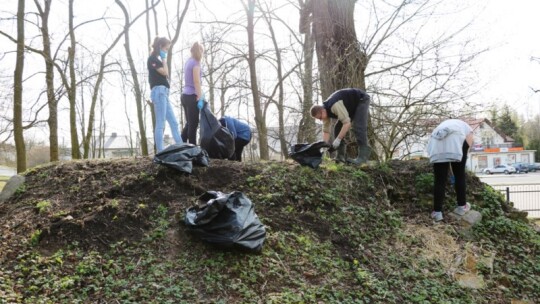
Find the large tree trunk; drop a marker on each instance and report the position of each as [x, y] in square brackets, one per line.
[17, 92]
[72, 89]
[307, 126]
[259, 117]
[49, 79]
[341, 61]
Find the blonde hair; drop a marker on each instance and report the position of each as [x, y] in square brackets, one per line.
[197, 51]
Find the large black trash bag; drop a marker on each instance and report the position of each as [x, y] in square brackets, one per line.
[226, 220]
[215, 139]
[182, 157]
[308, 154]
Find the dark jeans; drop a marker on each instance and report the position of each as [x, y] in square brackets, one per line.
[239, 145]
[440, 171]
[359, 121]
[189, 133]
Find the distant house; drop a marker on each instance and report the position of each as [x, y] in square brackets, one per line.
[491, 147]
[116, 145]
[111, 146]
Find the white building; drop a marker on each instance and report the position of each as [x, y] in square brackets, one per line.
[491, 147]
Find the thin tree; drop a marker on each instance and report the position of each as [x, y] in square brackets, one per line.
[18, 90]
[49, 78]
[249, 7]
[306, 127]
[136, 86]
[72, 87]
[99, 80]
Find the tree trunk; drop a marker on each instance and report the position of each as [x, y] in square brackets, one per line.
[149, 40]
[17, 92]
[49, 79]
[72, 89]
[307, 126]
[259, 117]
[136, 86]
[281, 120]
[341, 61]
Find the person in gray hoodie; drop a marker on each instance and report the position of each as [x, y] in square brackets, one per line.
[447, 148]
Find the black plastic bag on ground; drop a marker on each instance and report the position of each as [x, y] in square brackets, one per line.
[215, 139]
[182, 157]
[226, 220]
[308, 154]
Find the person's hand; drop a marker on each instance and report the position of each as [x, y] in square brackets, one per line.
[336, 143]
[200, 104]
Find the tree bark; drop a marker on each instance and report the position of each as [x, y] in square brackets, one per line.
[72, 89]
[341, 61]
[136, 86]
[281, 120]
[49, 79]
[259, 117]
[17, 92]
[307, 126]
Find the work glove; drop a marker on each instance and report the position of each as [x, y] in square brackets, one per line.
[336, 143]
[200, 103]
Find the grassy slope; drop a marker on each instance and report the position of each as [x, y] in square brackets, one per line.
[334, 235]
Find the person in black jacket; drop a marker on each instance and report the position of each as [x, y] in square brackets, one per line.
[351, 108]
[158, 76]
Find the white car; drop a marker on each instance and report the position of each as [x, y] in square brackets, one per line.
[506, 169]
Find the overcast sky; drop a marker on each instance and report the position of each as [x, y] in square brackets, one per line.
[505, 73]
[511, 29]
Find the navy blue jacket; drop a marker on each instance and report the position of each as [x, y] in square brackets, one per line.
[238, 128]
[350, 97]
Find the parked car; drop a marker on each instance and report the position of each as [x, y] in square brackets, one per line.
[521, 167]
[506, 169]
[534, 167]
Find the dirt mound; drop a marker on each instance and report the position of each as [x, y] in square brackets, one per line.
[96, 203]
[112, 230]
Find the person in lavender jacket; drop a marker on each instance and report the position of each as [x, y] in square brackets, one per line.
[241, 133]
[192, 94]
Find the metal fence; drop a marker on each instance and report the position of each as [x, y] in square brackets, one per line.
[525, 197]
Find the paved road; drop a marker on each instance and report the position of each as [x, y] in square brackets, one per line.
[511, 179]
[7, 171]
[524, 189]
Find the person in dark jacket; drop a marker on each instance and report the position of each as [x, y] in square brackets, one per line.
[351, 108]
[158, 76]
[241, 133]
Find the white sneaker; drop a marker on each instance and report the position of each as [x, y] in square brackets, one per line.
[437, 216]
[461, 210]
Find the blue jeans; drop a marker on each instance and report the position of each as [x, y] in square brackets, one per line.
[163, 111]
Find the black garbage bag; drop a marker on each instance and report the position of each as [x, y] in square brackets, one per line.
[308, 154]
[226, 220]
[215, 139]
[182, 157]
